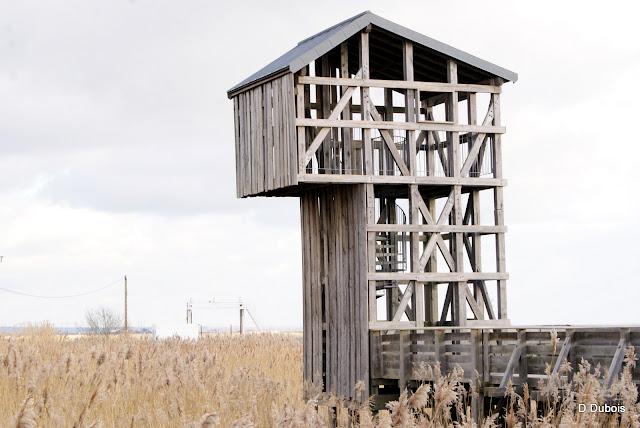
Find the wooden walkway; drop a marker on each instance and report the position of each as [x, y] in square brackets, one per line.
[519, 354]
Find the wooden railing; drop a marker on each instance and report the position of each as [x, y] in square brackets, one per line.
[520, 355]
[430, 237]
[333, 143]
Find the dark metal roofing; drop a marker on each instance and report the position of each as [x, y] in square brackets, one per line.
[317, 45]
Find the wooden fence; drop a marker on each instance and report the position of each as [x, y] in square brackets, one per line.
[492, 356]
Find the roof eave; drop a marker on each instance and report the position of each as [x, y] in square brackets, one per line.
[360, 22]
[241, 88]
[443, 48]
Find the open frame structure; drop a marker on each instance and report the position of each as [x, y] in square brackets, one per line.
[393, 143]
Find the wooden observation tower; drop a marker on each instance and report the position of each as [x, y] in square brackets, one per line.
[393, 143]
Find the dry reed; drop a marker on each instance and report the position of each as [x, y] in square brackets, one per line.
[49, 380]
[255, 381]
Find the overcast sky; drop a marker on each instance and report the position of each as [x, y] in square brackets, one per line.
[116, 154]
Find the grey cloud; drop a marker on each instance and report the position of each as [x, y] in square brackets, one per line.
[118, 110]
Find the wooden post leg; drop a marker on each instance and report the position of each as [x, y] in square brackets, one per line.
[522, 366]
[476, 363]
[403, 344]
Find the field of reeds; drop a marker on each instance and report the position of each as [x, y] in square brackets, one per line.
[47, 380]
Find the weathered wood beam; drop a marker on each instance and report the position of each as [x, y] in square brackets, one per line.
[435, 238]
[499, 210]
[511, 365]
[345, 99]
[388, 139]
[364, 101]
[371, 251]
[431, 294]
[389, 325]
[457, 245]
[325, 156]
[473, 304]
[618, 358]
[436, 277]
[388, 179]
[410, 103]
[482, 287]
[447, 305]
[402, 84]
[428, 251]
[564, 352]
[442, 155]
[437, 228]
[478, 141]
[406, 296]
[405, 126]
[347, 133]
[419, 295]
[300, 112]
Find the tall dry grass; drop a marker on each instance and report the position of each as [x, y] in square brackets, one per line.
[255, 380]
[52, 381]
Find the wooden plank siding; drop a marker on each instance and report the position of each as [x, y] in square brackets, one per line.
[265, 137]
[390, 200]
[333, 227]
[520, 354]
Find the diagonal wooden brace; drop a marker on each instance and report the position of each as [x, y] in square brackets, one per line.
[388, 139]
[477, 143]
[403, 303]
[317, 141]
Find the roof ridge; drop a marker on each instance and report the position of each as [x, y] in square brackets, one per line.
[326, 30]
[318, 44]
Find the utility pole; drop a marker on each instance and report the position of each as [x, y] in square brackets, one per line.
[126, 320]
[241, 318]
[189, 314]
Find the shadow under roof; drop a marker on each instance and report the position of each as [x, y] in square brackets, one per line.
[319, 44]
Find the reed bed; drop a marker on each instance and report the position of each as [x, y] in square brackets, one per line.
[255, 380]
[48, 380]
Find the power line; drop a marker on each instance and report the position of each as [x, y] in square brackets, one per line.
[67, 296]
[254, 320]
[222, 303]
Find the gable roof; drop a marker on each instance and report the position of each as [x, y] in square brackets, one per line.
[317, 45]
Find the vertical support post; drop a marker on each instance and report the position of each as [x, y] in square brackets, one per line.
[474, 200]
[326, 111]
[309, 131]
[241, 318]
[348, 164]
[431, 294]
[403, 343]
[317, 67]
[485, 357]
[376, 370]
[419, 300]
[476, 245]
[388, 164]
[410, 105]
[364, 101]
[334, 148]
[523, 368]
[477, 403]
[126, 308]
[499, 209]
[363, 291]
[438, 348]
[371, 251]
[300, 113]
[392, 218]
[430, 143]
[453, 139]
[189, 313]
